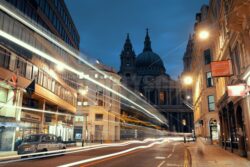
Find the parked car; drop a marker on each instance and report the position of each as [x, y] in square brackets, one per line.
[40, 143]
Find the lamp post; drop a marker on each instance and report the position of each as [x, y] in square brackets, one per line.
[187, 80]
[204, 34]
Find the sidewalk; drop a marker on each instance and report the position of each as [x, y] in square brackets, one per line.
[204, 155]
[7, 153]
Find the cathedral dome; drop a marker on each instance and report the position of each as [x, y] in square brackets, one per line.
[148, 62]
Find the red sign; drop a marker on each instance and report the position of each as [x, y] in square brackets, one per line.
[221, 68]
[237, 90]
[13, 80]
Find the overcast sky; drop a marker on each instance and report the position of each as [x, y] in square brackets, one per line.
[103, 25]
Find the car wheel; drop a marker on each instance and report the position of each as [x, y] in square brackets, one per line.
[23, 157]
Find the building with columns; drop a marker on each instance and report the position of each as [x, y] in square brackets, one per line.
[145, 74]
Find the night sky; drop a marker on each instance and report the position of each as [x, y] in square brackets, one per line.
[103, 25]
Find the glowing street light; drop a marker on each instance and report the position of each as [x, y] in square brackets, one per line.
[203, 34]
[83, 92]
[187, 80]
[188, 97]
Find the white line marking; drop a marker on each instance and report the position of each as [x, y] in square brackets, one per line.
[173, 148]
[161, 164]
[111, 155]
[174, 165]
[169, 155]
[160, 157]
[9, 159]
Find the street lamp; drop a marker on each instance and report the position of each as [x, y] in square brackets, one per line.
[187, 80]
[83, 92]
[204, 34]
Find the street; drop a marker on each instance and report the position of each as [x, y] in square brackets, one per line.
[124, 83]
[165, 154]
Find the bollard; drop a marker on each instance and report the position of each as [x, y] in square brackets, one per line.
[83, 143]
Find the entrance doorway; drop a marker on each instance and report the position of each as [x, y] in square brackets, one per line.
[213, 130]
[241, 131]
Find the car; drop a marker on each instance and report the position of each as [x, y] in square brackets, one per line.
[40, 143]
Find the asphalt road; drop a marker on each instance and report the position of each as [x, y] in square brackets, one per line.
[163, 155]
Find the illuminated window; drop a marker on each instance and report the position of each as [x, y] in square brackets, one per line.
[209, 79]
[211, 104]
[85, 103]
[162, 97]
[3, 95]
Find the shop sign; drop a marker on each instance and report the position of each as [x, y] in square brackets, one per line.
[221, 68]
[237, 90]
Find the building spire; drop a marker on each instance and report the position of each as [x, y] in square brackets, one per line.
[147, 42]
[128, 45]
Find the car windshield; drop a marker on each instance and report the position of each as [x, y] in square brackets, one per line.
[31, 138]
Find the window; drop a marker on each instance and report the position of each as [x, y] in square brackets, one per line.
[162, 97]
[236, 60]
[127, 75]
[53, 86]
[3, 95]
[40, 77]
[4, 58]
[28, 71]
[98, 117]
[79, 103]
[152, 96]
[49, 81]
[207, 56]
[12, 63]
[211, 104]
[100, 102]
[21, 66]
[45, 83]
[85, 103]
[209, 79]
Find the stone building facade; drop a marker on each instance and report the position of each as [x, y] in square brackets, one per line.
[98, 110]
[228, 24]
[146, 75]
[205, 111]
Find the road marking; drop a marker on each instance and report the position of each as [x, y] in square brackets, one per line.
[174, 165]
[160, 157]
[161, 164]
[111, 155]
[175, 144]
[169, 155]
[173, 148]
[16, 158]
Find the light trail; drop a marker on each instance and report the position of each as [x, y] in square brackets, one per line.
[12, 159]
[113, 154]
[48, 37]
[54, 60]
